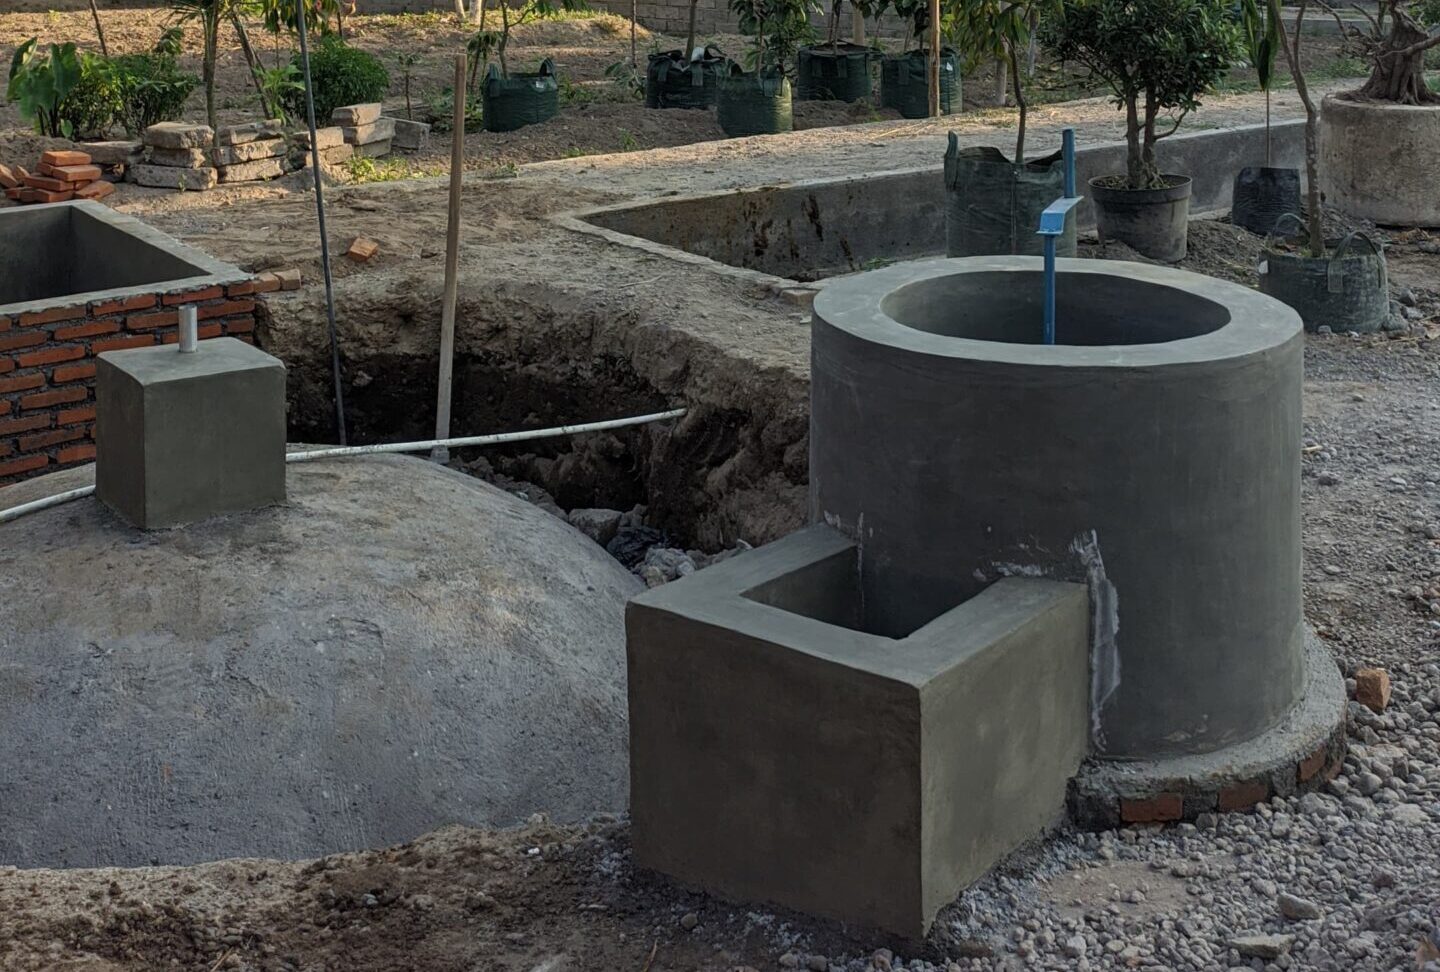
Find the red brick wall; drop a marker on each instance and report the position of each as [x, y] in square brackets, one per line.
[47, 368]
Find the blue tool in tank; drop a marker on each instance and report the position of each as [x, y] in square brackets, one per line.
[1052, 225]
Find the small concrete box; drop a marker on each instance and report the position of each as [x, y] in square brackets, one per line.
[781, 753]
[180, 437]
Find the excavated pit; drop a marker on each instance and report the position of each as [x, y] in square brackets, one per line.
[732, 469]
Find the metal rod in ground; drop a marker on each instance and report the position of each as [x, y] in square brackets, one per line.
[452, 268]
[320, 213]
[934, 67]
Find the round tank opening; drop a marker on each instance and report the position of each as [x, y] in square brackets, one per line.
[1090, 309]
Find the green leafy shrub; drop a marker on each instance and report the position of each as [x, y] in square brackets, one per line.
[1157, 57]
[340, 75]
[152, 89]
[96, 100]
[40, 83]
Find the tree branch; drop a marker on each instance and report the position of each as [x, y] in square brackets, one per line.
[1175, 127]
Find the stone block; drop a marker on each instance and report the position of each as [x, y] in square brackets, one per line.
[411, 136]
[372, 150]
[251, 151]
[254, 171]
[179, 135]
[380, 130]
[115, 153]
[781, 752]
[250, 132]
[356, 114]
[171, 177]
[326, 137]
[169, 449]
[178, 158]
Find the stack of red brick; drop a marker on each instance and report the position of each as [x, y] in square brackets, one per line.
[61, 175]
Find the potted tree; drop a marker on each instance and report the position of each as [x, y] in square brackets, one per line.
[836, 70]
[758, 102]
[993, 204]
[1379, 143]
[688, 78]
[1340, 285]
[1263, 193]
[1157, 57]
[514, 100]
[905, 77]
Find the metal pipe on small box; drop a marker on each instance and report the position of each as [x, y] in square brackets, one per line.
[189, 330]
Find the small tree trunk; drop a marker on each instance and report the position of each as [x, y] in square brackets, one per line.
[634, 16]
[1313, 217]
[1019, 103]
[934, 72]
[504, 38]
[99, 30]
[256, 74]
[690, 32]
[1134, 157]
[1002, 80]
[207, 66]
[460, 11]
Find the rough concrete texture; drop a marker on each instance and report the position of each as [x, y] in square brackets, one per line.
[820, 227]
[81, 251]
[399, 647]
[781, 753]
[173, 177]
[181, 437]
[1153, 452]
[268, 168]
[179, 135]
[1377, 160]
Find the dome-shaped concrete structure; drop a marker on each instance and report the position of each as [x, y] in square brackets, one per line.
[397, 647]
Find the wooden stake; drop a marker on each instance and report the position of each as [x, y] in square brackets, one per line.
[99, 31]
[452, 267]
[934, 58]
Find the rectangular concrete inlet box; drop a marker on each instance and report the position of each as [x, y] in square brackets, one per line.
[781, 753]
[180, 437]
[80, 279]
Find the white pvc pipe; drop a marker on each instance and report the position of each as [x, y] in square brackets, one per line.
[475, 440]
[189, 329]
[34, 506]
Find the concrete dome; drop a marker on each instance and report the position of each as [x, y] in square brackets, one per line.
[398, 647]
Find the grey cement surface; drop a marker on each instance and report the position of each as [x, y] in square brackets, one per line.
[180, 437]
[74, 252]
[781, 754]
[823, 227]
[1165, 475]
[398, 647]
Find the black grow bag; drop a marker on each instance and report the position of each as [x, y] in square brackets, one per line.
[1262, 195]
[672, 80]
[905, 86]
[754, 104]
[839, 72]
[521, 99]
[1346, 291]
[993, 206]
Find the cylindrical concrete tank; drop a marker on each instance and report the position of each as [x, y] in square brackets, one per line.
[1154, 452]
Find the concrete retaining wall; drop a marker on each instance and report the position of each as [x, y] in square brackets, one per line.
[820, 228]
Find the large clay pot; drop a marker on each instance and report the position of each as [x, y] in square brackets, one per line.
[1377, 160]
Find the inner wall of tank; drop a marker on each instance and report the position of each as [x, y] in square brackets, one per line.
[1091, 309]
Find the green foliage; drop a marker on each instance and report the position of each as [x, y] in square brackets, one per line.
[96, 100]
[282, 15]
[916, 14]
[361, 169]
[340, 75]
[282, 86]
[1262, 40]
[1427, 12]
[441, 108]
[1156, 57]
[777, 28]
[628, 79]
[152, 88]
[42, 82]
